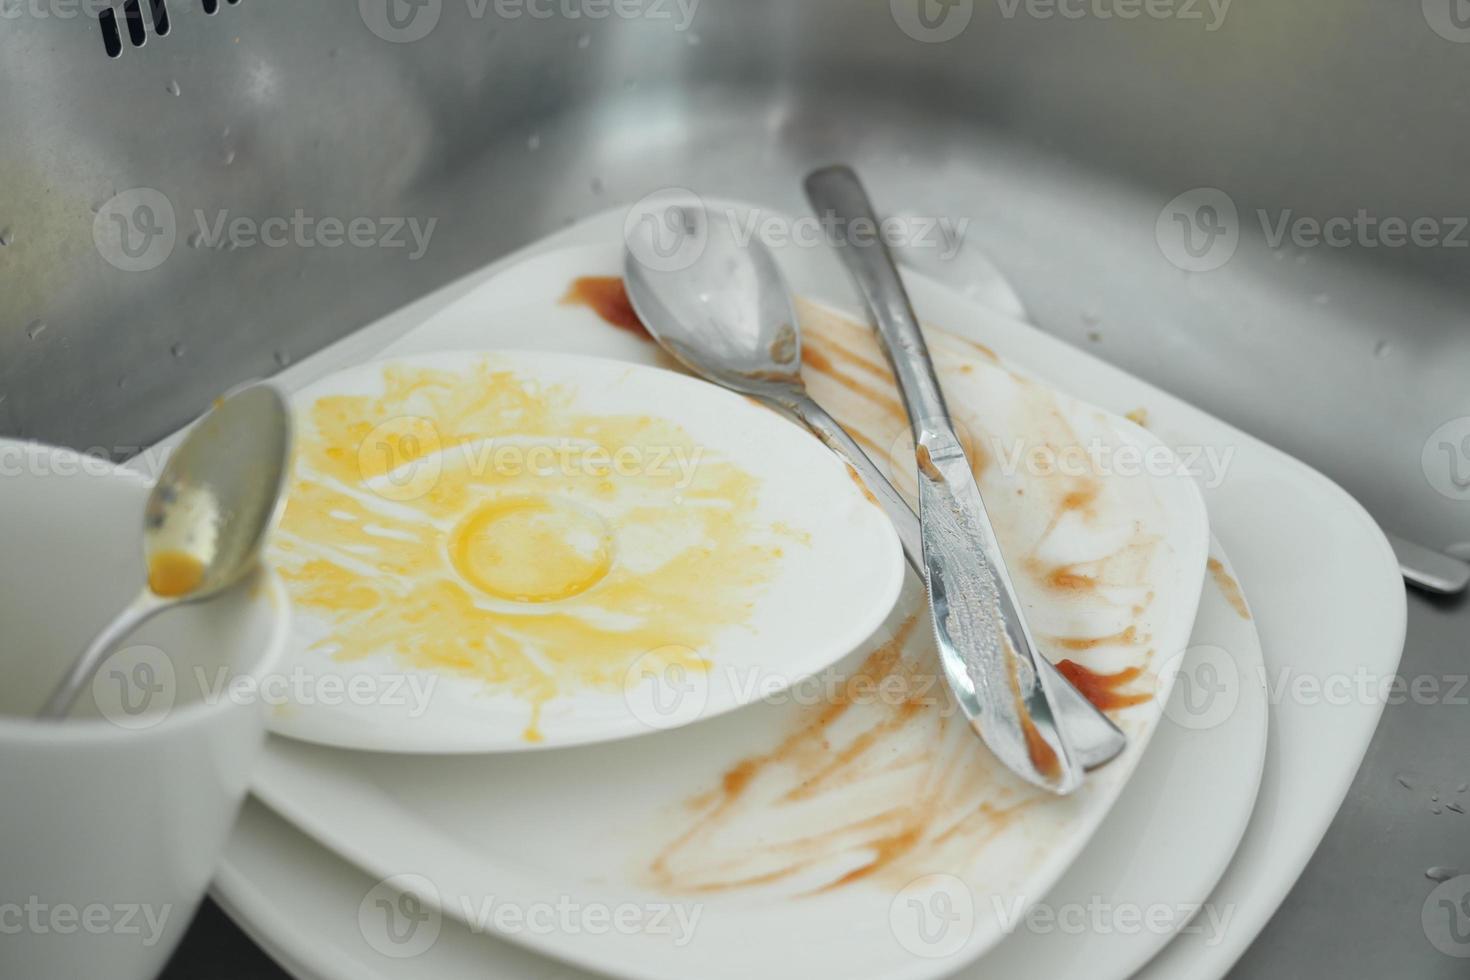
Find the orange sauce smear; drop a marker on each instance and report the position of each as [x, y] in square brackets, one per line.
[1229, 588]
[833, 754]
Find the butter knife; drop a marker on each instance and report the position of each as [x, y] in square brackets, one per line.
[982, 636]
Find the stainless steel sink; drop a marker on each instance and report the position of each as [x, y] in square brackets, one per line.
[1081, 149]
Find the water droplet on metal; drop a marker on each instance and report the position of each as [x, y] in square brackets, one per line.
[173, 88]
[1455, 807]
[1403, 781]
[1433, 797]
[584, 42]
[229, 157]
[1436, 810]
[123, 381]
[596, 185]
[177, 350]
[1438, 873]
[1382, 349]
[282, 358]
[196, 239]
[6, 237]
[36, 328]
[533, 143]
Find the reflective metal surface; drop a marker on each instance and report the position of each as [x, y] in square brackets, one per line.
[1070, 141]
[724, 312]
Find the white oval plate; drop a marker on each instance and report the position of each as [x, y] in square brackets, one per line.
[1190, 798]
[710, 553]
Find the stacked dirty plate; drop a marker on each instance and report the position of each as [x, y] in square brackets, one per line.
[789, 790]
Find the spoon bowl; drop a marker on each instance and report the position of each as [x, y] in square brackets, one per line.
[218, 496]
[726, 316]
[205, 521]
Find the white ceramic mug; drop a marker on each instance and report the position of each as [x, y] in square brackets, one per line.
[111, 821]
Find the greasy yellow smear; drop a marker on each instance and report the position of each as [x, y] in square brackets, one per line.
[473, 522]
[174, 573]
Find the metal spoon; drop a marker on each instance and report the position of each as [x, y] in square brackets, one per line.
[725, 313]
[205, 521]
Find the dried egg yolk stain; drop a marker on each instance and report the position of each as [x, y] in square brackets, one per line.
[473, 522]
[172, 574]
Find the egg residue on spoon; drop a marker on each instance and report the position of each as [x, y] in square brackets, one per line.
[173, 574]
[474, 522]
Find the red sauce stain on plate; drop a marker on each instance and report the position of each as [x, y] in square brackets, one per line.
[605, 296]
[1103, 689]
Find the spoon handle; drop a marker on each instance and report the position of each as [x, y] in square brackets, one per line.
[139, 611]
[831, 432]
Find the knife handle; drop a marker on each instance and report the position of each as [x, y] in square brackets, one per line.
[839, 197]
